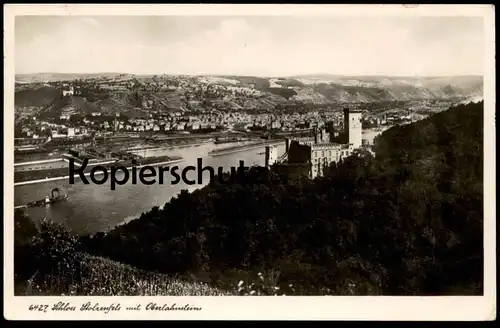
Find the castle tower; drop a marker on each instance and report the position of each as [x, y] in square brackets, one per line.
[352, 127]
[271, 155]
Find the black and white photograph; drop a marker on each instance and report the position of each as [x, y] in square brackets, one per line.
[183, 153]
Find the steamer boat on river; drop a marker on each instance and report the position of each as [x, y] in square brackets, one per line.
[54, 197]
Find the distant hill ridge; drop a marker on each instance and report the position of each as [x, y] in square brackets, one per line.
[318, 89]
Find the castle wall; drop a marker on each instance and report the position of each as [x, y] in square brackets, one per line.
[322, 155]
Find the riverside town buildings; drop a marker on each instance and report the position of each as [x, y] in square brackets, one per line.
[308, 157]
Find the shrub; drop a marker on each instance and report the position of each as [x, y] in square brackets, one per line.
[57, 247]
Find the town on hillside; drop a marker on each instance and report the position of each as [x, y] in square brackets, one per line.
[177, 104]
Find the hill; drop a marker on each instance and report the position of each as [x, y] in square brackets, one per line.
[375, 88]
[53, 77]
[320, 89]
[406, 222]
[36, 97]
[309, 95]
[51, 103]
[392, 89]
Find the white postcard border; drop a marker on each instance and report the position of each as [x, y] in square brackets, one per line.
[275, 307]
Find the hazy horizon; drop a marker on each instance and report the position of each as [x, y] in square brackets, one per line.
[266, 46]
[254, 75]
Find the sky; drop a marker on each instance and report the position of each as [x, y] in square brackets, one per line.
[252, 45]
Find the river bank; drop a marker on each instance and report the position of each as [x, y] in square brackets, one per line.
[93, 208]
[139, 149]
[239, 148]
[86, 174]
[42, 161]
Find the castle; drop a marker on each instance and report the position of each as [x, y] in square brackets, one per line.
[309, 156]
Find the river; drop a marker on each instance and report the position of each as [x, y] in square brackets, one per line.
[92, 208]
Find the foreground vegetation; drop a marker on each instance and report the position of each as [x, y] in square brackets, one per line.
[66, 271]
[408, 221]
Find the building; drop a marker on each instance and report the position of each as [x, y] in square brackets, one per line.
[71, 132]
[69, 92]
[316, 153]
[323, 154]
[56, 134]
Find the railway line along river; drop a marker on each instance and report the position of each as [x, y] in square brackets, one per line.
[92, 208]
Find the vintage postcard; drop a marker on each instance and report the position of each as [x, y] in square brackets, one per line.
[249, 162]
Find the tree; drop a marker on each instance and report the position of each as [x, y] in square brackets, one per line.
[25, 232]
[57, 248]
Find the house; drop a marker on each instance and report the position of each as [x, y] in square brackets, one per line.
[69, 92]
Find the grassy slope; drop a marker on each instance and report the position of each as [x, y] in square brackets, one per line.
[103, 277]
